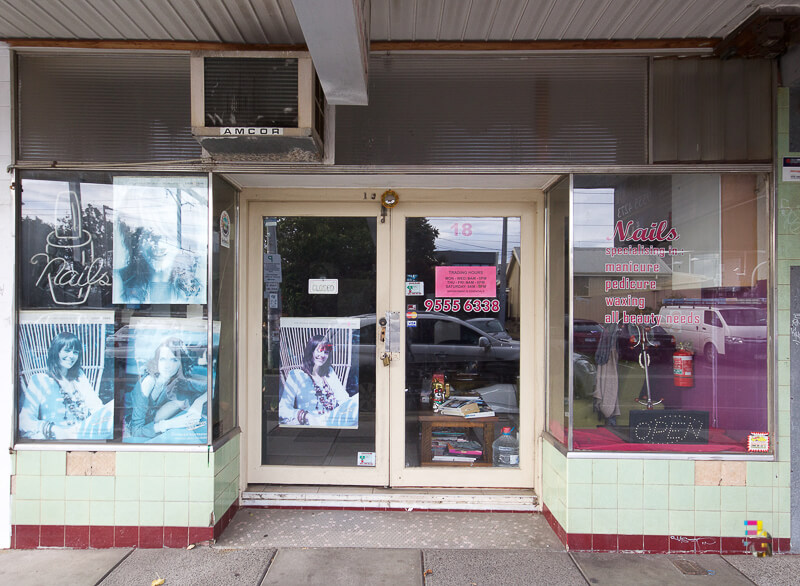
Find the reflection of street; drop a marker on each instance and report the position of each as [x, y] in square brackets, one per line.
[734, 392]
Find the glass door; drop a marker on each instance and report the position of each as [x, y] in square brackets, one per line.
[357, 314]
[466, 410]
[319, 415]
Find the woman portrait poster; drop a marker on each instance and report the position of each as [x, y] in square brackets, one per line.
[160, 240]
[167, 373]
[66, 378]
[319, 373]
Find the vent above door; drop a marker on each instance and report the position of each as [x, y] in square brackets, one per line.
[257, 106]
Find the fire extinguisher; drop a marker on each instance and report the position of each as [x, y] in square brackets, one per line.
[682, 368]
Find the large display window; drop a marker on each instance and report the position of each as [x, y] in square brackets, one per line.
[114, 338]
[668, 323]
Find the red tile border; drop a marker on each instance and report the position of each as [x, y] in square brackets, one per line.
[101, 536]
[226, 518]
[708, 545]
[176, 536]
[27, 537]
[51, 536]
[126, 536]
[604, 542]
[76, 536]
[13, 537]
[656, 543]
[200, 534]
[630, 542]
[783, 544]
[579, 541]
[151, 537]
[733, 546]
[681, 544]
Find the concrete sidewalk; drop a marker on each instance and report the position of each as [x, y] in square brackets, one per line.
[204, 565]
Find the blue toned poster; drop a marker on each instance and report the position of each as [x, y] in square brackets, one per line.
[160, 240]
[166, 399]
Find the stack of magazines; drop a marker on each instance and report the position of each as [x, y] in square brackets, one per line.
[467, 407]
[455, 447]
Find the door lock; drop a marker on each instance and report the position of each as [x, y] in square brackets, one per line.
[386, 357]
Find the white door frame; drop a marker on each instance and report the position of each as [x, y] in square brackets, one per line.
[528, 204]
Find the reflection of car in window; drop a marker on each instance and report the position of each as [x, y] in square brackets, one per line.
[443, 343]
[714, 331]
[586, 335]
[492, 326]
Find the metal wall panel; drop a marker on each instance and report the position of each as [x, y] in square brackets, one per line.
[707, 110]
[104, 108]
[455, 109]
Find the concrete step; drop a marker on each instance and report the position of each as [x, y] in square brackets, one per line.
[369, 498]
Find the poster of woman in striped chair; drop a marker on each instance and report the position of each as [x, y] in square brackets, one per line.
[319, 373]
[66, 382]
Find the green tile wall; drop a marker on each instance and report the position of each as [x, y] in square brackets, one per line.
[226, 477]
[147, 489]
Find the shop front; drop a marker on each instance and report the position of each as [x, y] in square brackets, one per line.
[553, 299]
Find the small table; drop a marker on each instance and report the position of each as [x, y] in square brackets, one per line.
[435, 421]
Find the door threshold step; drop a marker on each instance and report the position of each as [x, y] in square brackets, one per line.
[396, 499]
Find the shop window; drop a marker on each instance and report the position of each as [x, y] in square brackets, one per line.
[114, 335]
[669, 318]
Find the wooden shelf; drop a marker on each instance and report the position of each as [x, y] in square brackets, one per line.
[435, 421]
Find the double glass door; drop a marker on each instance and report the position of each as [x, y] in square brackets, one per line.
[363, 320]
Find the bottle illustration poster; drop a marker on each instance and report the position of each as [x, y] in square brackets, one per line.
[66, 252]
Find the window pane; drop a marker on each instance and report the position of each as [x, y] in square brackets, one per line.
[558, 309]
[671, 312]
[113, 328]
[462, 339]
[319, 340]
[224, 290]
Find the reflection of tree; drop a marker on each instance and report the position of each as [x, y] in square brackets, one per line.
[327, 248]
[420, 246]
[343, 249]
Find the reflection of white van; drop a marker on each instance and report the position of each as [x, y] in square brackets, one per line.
[725, 330]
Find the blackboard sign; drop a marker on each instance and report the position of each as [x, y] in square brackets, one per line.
[669, 427]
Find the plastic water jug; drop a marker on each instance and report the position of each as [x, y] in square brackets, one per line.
[505, 450]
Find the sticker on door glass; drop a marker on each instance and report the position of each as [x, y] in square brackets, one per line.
[479, 281]
[272, 270]
[225, 229]
[366, 459]
[415, 288]
[319, 372]
[323, 286]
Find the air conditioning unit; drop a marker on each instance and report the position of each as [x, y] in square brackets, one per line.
[257, 106]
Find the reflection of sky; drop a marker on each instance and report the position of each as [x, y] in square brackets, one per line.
[149, 202]
[153, 203]
[486, 234]
[593, 218]
[40, 199]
